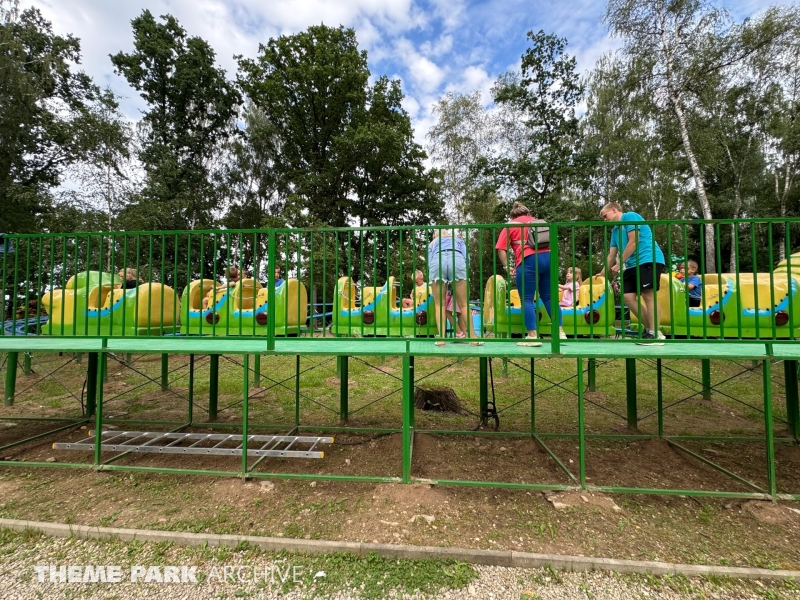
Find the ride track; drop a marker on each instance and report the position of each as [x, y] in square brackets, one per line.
[149, 319]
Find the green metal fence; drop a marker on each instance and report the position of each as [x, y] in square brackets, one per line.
[361, 282]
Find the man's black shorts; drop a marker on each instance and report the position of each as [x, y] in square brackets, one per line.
[645, 278]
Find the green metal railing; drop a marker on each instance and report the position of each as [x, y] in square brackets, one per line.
[360, 282]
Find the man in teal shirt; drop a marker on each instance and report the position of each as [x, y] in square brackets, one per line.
[643, 265]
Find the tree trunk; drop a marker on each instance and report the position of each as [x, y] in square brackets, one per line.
[699, 183]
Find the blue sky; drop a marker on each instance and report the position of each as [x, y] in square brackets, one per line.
[433, 46]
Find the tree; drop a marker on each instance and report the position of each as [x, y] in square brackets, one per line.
[346, 150]
[685, 44]
[52, 116]
[460, 136]
[544, 95]
[191, 113]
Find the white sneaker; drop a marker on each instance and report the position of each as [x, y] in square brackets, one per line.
[660, 336]
[531, 342]
[562, 335]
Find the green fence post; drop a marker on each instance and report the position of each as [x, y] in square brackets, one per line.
[706, 364]
[343, 388]
[257, 369]
[11, 378]
[792, 397]
[592, 374]
[768, 427]
[630, 384]
[213, 387]
[104, 366]
[91, 384]
[408, 408]
[164, 371]
[26, 363]
[191, 388]
[483, 385]
[581, 427]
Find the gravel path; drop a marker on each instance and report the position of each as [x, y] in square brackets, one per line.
[19, 580]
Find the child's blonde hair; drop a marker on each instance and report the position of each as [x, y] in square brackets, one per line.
[576, 275]
[128, 275]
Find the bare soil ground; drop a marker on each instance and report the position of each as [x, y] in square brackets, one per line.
[674, 527]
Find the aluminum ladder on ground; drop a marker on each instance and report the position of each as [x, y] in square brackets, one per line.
[211, 444]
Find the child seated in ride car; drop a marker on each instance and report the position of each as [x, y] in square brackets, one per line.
[129, 279]
[570, 288]
[694, 285]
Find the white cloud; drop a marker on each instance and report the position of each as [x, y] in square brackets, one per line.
[424, 73]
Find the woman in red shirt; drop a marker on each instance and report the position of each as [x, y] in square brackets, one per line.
[531, 270]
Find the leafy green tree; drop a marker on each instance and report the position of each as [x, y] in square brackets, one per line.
[52, 116]
[544, 154]
[346, 150]
[191, 113]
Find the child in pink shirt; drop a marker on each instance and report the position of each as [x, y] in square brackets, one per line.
[570, 288]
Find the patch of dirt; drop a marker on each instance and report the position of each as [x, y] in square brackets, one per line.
[425, 444]
[771, 513]
[564, 500]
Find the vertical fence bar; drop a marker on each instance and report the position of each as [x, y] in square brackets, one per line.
[592, 374]
[91, 384]
[555, 309]
[272, 262]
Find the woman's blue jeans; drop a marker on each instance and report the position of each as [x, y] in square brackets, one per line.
[528, 283]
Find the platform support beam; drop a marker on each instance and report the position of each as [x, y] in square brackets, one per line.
[98, 411]
[296, 391]
[164, 371]
[581, 424]
[630, 385]
[91, 383]
[191, 389]
[533, 397]
[11, 378]
[706, 365]
[768, 426]
[342, 368]
[592, 375]
[26, 363]
[257, 370]
[792, 398]
[660, 397]
[483, 384]
[245, 412]
[408, 414]
[213, 387]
